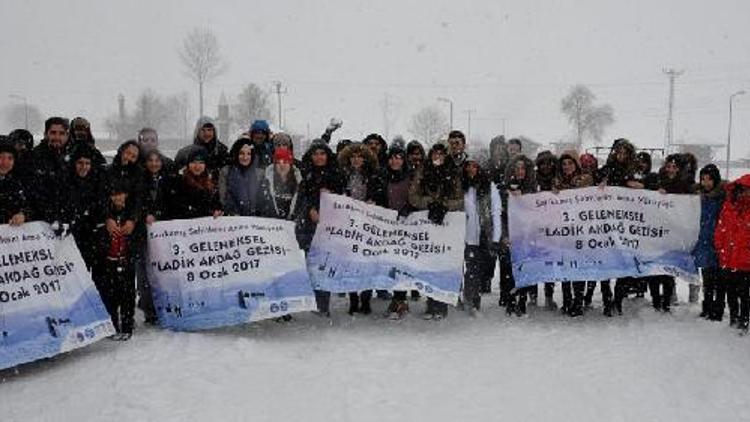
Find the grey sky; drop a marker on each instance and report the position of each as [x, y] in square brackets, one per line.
[505, 59]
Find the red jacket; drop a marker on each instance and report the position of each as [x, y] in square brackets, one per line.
[732, 236]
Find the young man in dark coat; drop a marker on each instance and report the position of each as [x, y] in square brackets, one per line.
[215, 152]
[49, 193]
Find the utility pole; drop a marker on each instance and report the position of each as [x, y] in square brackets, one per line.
[468, 127]
[450, 103]
[669, 130]
[503, 119]
[279, 92]
[729, 132]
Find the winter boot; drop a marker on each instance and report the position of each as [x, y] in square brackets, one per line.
[365, 304]
[705, 310]
[656, 301]
[415, 295]
[353, 303]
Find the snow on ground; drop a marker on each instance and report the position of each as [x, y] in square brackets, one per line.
[642, 366]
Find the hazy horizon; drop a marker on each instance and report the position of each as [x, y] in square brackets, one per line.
[505, 60]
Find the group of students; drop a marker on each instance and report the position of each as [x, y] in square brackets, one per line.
[66, 181]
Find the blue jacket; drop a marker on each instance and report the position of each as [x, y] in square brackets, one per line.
[704, 252]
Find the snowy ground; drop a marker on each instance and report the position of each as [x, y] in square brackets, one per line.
[642, 366]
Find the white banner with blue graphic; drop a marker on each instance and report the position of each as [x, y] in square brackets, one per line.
[597, 234]
[358, 246]
[209, 272]
[48, 303]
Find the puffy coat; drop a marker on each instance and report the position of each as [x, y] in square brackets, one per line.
[191, 201]
[704, 252]
[12, 198]
[732, 235]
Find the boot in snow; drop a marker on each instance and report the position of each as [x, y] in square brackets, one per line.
[353, 303]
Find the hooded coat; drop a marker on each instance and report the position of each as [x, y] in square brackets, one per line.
[732, 235]
[239, 186]
[616, 173]
[576, 180]
[711, 202]
[368, 176]
[217, 153]
[314, 179]
[437, 184]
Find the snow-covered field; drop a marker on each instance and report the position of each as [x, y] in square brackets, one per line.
[642, 366]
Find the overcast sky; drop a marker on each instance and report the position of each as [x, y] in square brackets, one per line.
[504, 59]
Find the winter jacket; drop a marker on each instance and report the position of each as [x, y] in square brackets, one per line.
[86, 208]
[277, 202]
[394, 191]
[240, 189]
[48, 195]
[371, 188]
[158, 194]
[615, 173]
[133, 175]
[704, 252]
[437, 185]
[578, 179]
[314, 179]
[732, 235]
[676, 185]
[129, 245]
[190, 201]
[12, 198]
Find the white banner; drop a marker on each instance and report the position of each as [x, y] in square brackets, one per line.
[358, 246]
[48, 303]
[596, 234]
[211, 272]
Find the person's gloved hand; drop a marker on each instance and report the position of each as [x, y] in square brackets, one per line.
[334, 124]
[436, 212]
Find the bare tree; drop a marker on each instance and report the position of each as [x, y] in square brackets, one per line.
[587, 118]
[201, 58]
[252, 104]
[428, 125]
[25, 116]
